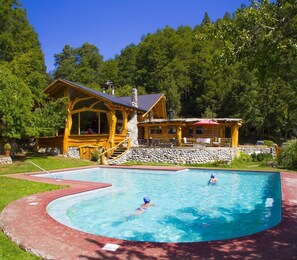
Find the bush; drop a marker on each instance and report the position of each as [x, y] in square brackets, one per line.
[288, 155]
[260, 157]
[7, 146]
[95, 155]
[254, 157]
[243, 157]
[269, 143]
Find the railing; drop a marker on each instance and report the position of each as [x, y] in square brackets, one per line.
[115, 147]
[40, 168]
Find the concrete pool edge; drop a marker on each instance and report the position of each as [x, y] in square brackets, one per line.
[26, 222]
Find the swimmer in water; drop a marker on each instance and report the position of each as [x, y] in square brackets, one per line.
[143, 207]
[212, 180]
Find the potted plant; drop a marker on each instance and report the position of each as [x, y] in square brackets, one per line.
[7, 148]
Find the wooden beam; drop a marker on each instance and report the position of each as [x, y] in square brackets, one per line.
[68, 124]
[112, 121]
[125, 122]
[234, 135]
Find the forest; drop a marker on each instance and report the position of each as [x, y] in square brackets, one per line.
[242, 65]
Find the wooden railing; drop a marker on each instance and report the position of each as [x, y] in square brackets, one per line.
[110, 151]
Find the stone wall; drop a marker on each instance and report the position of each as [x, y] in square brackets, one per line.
[178, 155]
[5, 160]
[257, 150]
[174, 155]
[73, 152]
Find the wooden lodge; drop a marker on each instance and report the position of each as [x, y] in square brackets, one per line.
[96, 119]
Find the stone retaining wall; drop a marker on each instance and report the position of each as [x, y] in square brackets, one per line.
[5, 160]
[177, 155]
[174, 155]
[257, 150]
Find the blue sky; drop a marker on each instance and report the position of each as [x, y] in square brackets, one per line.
[111, 25]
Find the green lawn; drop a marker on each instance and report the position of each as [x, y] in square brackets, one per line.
[13, 189]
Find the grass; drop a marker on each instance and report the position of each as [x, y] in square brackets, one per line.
[23, 165]
[13, 189]
[10, 190]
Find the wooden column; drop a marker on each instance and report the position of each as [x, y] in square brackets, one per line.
[234, 135]
[68, 124]
[125, 122]
[146, 132]
[179, 135]
[112, 129]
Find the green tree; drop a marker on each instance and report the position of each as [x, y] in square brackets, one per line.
[19, 45]
[126, 91]
[50, 117]
[261, 38]
[127, 65]
[22, 75]
[81, 65]
[16, 104]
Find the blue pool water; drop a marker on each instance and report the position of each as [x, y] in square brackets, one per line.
[185, 209]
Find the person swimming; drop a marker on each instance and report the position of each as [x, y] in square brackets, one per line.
[212, 180]
[143, 207]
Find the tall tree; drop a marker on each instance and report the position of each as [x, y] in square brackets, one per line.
[19, 45]
[82, 65]
[22, 74]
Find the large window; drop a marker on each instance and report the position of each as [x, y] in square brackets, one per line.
[89, 122]
[119, 127]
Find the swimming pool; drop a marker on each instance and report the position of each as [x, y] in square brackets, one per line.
[186, 208]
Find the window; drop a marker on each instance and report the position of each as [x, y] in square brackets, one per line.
[155, 130]
[190, 131]
[199, 130]
[89, 122]
[119, 126]
[171, 130]
[74, 129]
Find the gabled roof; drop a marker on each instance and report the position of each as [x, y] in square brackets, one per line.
[145, 102]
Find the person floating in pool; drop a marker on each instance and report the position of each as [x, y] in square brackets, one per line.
[143, 207]
[212, 180]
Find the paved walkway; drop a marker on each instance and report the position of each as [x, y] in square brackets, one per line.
[27, 223]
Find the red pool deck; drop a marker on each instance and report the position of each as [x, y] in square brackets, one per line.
[27, 223]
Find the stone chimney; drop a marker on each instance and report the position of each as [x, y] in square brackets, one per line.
[132, 123]
[134, 97]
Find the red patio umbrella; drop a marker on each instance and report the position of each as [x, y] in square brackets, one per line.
[206, 122]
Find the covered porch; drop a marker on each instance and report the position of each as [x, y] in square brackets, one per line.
[188, 132]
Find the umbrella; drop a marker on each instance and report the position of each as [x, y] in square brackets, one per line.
[206, 122]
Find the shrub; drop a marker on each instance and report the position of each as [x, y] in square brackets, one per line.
[95, 155]
[254, 157]
[220, 163]
[269, 143]
[7, 146]
[243, 157]
[260, 157]
[288, 155]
